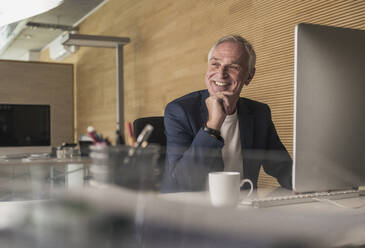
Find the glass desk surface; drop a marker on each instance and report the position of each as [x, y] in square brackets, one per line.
[54, 203]
[36, 179]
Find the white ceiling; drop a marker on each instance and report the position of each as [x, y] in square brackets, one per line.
[24, 38]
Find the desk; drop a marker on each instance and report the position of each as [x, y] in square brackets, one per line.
[320, 222]
[112, 216]
[188, 220]
[35, 179]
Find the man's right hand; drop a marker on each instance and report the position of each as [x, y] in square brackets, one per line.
[216, 111]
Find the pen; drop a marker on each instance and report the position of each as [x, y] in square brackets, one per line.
[131, 139]
[142, 137]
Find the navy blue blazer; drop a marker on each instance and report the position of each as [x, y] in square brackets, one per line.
[192, 153]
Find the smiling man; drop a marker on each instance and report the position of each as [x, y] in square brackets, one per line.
[217, 130]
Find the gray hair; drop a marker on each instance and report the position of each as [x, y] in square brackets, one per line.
[240, 41]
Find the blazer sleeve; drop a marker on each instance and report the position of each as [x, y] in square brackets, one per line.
[277, 161]
[190, 155]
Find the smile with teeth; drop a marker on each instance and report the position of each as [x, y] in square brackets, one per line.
[220, 83]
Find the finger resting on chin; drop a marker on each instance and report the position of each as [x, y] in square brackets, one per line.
[228, 93]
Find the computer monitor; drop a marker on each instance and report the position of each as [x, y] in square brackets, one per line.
[329, 108]
[24, 128]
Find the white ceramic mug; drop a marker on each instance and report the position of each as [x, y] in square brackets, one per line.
[224, 188]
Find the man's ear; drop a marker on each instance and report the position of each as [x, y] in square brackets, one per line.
[250, 76]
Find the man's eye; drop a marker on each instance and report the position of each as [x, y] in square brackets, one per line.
[234, 67]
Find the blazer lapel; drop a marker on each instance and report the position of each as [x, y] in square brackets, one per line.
[245, 120]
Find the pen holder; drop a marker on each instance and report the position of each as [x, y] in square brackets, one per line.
[85, 147]
[115, 165]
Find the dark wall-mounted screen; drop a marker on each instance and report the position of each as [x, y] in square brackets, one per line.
[25, 125]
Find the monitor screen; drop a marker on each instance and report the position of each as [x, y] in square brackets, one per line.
[25, 125]
[329, 113]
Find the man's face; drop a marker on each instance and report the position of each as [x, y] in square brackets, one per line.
[227, 69]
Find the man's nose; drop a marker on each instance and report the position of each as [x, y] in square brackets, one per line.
[223, 72]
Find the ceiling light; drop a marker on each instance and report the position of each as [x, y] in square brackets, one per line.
[16, 10]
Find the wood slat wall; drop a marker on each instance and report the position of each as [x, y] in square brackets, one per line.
[41, 83]
[169, 44]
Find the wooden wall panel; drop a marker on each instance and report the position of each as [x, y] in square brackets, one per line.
[169, 44]
[41, 83]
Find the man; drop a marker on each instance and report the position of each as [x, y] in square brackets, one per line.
[216, 130]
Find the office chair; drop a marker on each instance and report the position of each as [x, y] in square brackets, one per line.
[157, 137]
[158, 134]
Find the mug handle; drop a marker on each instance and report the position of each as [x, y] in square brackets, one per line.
[251, 185]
